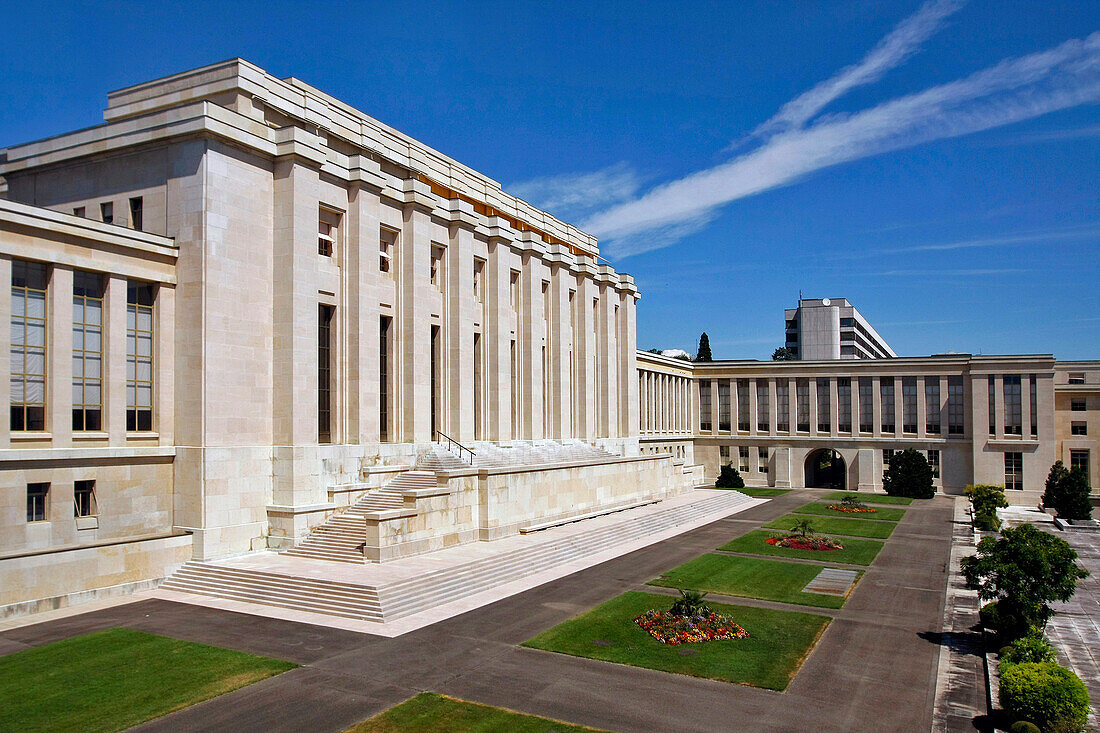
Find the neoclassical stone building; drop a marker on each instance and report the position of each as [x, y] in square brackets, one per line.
[240, 303]
[979, 419]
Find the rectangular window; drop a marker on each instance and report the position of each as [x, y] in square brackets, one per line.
[955, 419]
[87, 351]
[36, 502]
[743, 459]
[79, 211]
[887, 456]
[384, 379]
[934, 462]
[743, 405]
[107, 212]
[436, 271]
[1076, 377]
[387, 251]
[139, 356]
[328, 229]
[84, 499]
[762, 459]
[866, 405]
[762, 407]
[909, 405]
[723, 405]
[1079, 459]
[886, 397]
[704, 407]
[434, 380]
[135, 213]
[479, 419]
[844, 404]
[324, 373]
[724, 454]
[932, 405]
[1013, 409]
[802, 405]
[513, 295]
[783, 406]
[28, 346]
[1078, 428]
[1077, 405]
[1014, 471]
[479, 274]
[1034, 389]
[514, 393]
[824, 416]
[992, 405]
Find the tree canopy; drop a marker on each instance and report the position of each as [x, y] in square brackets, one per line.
[783, 353]
[909, 474]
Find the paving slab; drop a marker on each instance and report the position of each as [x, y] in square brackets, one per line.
[1075, 629]
[832, 582]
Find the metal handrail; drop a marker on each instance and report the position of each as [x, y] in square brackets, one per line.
[462, 450]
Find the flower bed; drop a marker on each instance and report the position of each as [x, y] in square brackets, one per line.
[794, 542]
[851, 509]
[669, 628]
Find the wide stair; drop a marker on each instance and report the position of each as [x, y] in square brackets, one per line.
[434, 588]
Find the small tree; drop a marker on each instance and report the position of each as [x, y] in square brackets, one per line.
[986, 500]
[909, 475]
[1024, 570]
[803, 528]
[1073, 495]
[704, 349]
[1054, 478]
[783, 353]
[729, 478]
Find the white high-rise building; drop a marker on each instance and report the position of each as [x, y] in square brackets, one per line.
[831, 328]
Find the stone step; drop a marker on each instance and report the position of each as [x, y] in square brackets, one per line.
[308, 587]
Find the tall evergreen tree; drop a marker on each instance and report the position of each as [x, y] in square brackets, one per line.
[704, 348]
[783, 353]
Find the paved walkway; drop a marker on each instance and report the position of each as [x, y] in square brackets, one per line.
[1075, 630]
[874, 667]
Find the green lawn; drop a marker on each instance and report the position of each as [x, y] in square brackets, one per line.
[441, 714]
[778, 641]
[881, 513]
[770, 580]
[753, 491]
[855, 552]
[871, 498]
[836, 525]
[114, 679]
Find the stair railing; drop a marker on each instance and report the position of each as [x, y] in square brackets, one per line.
[454, 446]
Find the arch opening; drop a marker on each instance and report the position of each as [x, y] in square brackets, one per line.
[826, 469]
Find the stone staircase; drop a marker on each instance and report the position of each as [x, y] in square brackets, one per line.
[433, 588]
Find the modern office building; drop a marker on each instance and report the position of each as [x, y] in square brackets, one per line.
[831, 328]
[978, 419]
[240, 305]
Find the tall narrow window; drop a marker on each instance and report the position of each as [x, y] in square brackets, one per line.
[107, 212]
[704, 407]
[743, 459]
[783, 405]
[84, 499]
[824, 418]
[866, 405]
[886, 392]
[384, 378]
[434, 367]
[28, 346]
[724, 454]
[844, 404]
[479, 275]
[387, 251]
[932, 405]
[1013, 408]
[1014, 471]
[436, 267]
[743, 405]
[802, 404]
[513, 294]
[514, 389]
[955, 418]
[136, 213]
[723, 405]
[87, 351]
[909, 405]
[139, 356]
[762, 459]
[1034, 389]
[478, 417]
[934, 462]
[324, 373]
[992, 405]
[763, 408]
[36, 502]
[328, 229]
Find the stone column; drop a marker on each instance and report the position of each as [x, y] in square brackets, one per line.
[362, 281]
[625, 340]
[876, 411]
[458, 315]
[922, 409]
[498, 331]
[164, 361]
[413, 342]
[5, 349]
[812, 382]
[114, 360]
[834, 408]
[999, 406]
[59, 356]
[753, 408]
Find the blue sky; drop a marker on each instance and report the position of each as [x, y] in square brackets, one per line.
[936, 164]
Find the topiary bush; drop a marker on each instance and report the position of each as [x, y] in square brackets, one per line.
[1030, 648]
[1023, 726]
[729, 478]
[909, 475]
[1043, 693]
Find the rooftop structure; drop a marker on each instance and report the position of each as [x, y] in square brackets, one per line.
[831, 328]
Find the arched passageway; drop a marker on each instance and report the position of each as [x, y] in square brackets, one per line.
[825, 469]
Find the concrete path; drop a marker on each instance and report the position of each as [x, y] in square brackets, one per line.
[874, 668]
[1075, 630]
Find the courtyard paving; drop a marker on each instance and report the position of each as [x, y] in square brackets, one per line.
[1075, 630]
[874, 668]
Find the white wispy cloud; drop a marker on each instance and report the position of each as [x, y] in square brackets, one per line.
[889, 53]
[1035, 237]
[1013, 90]
[937, 272]
[576, 195]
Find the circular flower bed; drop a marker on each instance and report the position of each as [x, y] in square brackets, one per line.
[850, 509]
[795, 542]
[669, 628]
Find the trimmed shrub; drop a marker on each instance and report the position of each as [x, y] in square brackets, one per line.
[1023, 726]
[729, 478]
[909, 475]
[1031, 648]
[1052, 495]
[986, 499]
[1043, 693]
[987, 522]
[1075, 491]
[1003, 623]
